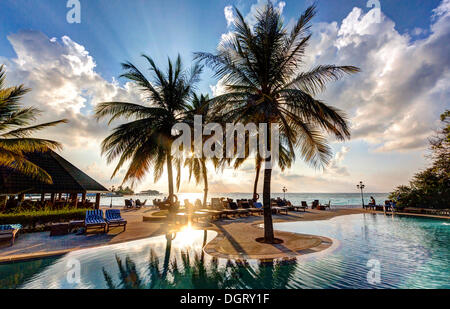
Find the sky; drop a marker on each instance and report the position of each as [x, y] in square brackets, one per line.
[393, 105]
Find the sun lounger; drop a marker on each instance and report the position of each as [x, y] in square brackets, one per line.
[238, 208]
[140, 204]
[113, 218]
[324, 207]
[216, 203]
[128, 204]
[94, 219]
[279, 210]
[213, 213]
[303, 207]
[250, 205]
[200, 214]
[9, 232]
[255, 207]
[226, 207]
[315, 204]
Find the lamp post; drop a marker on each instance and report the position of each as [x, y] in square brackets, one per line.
[361, 186]
[284, 193]
[112, 190]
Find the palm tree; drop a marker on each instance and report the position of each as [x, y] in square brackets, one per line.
[196, 165]
[286, 159]
[261, 67]
[147, 140]
[16, 131]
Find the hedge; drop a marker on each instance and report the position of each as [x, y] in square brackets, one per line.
[31, 219]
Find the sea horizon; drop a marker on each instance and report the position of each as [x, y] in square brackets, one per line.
[336, 199]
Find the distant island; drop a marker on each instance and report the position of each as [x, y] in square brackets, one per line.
[149, 192]
[121, 191]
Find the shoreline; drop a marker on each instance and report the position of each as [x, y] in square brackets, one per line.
[235, 239]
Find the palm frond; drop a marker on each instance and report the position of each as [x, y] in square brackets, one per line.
[26, 132]
[16, 161]
[315, 80]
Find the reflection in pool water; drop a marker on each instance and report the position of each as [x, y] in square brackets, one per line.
[412, 252]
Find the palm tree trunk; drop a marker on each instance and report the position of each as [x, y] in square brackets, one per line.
[205, 182]
[3, 198]
[169, 238]
[255, 186]
[170, 176]
[268, 224]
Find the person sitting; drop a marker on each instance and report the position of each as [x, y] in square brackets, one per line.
[188, 206]
[132, 202]
[198, 204]
[372, 203]
[393, 205]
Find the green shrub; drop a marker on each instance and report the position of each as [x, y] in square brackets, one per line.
[31, 219]
[32, 206]
[430, 188]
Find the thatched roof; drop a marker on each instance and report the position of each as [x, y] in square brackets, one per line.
[66, 177]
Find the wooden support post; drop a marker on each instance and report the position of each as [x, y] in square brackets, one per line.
[97, 201]
[75, 200]
[83, 198]
[59, 196]
[53, 198]
[43, 197]
[21, 197]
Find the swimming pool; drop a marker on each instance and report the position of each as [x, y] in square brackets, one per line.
[370, 251]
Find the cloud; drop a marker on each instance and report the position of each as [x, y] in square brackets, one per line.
[394, 103]
[335, 167]
[228, 11]
[259, 6]
[64, 84]
[219, 88]
[316, 183]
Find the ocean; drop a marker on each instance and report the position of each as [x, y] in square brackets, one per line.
[337, 199]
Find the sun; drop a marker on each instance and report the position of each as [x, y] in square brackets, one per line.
[187, 235]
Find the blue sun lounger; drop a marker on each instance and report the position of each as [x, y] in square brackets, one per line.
[94, 219]
[113, 218]
[9, 232]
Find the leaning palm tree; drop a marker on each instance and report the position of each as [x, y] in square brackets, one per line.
[195, 164]
[261, 67]
[16, 131]
[146, 141]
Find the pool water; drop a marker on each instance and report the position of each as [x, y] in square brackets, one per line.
[369, 251]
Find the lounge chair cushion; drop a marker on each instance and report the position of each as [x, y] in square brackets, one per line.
[113, 215]
[10, 227]
[94, 217]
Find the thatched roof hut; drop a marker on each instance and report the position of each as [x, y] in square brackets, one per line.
[67, 179]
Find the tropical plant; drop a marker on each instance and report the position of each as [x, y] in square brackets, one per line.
[16, 135]
[261, 68]
[146, 141]
[124, 191]
[196, 164]
[430, 188]
[16, 131]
